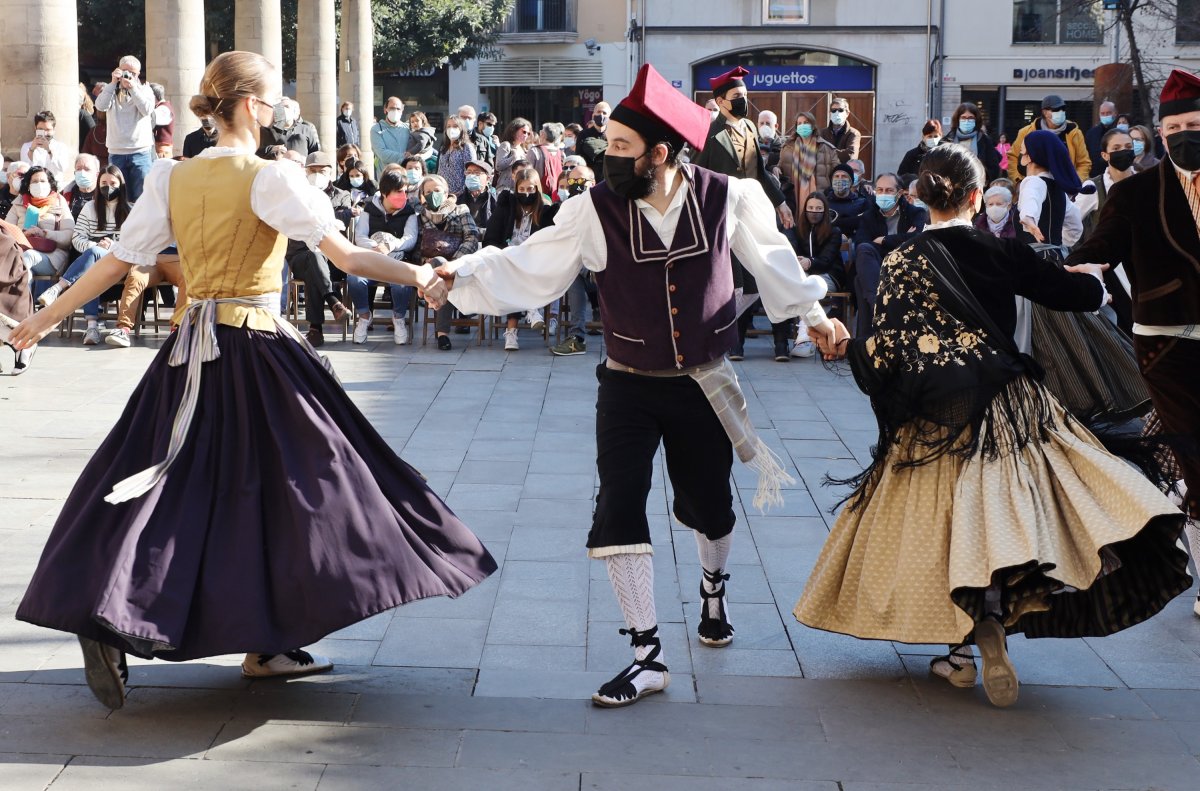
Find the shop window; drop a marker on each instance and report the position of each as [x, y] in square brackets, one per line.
[1187, 22]
[1057, 22]
[789, 12]
[542, 16]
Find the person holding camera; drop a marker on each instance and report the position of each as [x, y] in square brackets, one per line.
[129, 107]
[45, 150]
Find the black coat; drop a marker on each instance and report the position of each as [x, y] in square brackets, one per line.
[1147, 225]
[873, 225]
[482, 208]
[826, 256]
[301, 138]
[195, 142]
[500, 226]
[347, 131]
[849, 210]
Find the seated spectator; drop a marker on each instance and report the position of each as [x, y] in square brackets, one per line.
[414, 170]
[97, 229]
[546, 158]
[164, 123]
[861, 182]
[45, 217]
[423, 141]
[45, 151]
[199, 139]
[166, 271]
[579, 180]
[573, 161]
[457, 150]
[882, 228]
[312, 266]
[478, 195]
[818, 245]
[129, 105]
[484, 138]
[999, 215]
[16, 297]
[561, 193]
[355, 181]
[518, 215]
[290, 133]
[847, 203]
[388, 225]
[82, 188]
[346, 154]
[446, 231]
[14, 175]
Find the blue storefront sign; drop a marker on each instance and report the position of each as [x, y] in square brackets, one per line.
[795, 78]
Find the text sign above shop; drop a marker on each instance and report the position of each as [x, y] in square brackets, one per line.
[1074, 74]
[796, 78]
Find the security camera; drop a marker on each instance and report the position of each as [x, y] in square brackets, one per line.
[590, 43]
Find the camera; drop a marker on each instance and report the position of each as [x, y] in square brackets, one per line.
[127, 75]
[42, 133]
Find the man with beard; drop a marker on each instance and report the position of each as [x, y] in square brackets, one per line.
[659, 235]
[1150, 223]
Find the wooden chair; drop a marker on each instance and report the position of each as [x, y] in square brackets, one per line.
[296, 294]
[429, 325]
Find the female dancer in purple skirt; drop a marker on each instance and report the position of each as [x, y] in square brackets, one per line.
[242, 503]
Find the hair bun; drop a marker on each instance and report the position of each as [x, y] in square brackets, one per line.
[202, 105]
[935, 189]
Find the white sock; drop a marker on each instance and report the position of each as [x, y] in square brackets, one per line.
[91, 323]
[801, 330]
[632, 578]
[714, 556]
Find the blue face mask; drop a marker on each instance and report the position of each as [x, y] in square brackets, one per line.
[488, 131]
[1106, 120]
[1058, 117]
[917, 203]
[1123, 127]
[967, 126]
[804, 130]
[474, 182]
[356, 181]
[1139, 147]
[885, 202]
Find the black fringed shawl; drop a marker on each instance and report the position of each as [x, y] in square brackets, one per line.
[937, 362]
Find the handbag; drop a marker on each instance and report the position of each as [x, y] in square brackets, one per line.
[437, 242]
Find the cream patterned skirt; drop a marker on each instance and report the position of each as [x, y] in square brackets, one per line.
[1078, 541]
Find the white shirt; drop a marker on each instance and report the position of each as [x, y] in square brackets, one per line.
[496, 282]
[1089, 203]
[280, 196]
[1029, 207]
[362, 230]
[58, 160]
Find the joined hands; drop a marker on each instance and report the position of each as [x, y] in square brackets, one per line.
[831, 338]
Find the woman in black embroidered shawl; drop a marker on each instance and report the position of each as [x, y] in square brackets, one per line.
[987, 509]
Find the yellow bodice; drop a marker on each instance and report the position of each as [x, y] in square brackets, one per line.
[224, 249]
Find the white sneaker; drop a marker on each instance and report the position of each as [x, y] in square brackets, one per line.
[553, 328]
[91, 336]
[49, 295]
[534, 319]
[803, 348]
[399, 331]
[360, 329]
[118, 337]
[292, 663]
[957, 667]
[510, 340]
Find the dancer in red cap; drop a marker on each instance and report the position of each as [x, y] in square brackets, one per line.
[659, 235]
[732, 148]
[1151, 224]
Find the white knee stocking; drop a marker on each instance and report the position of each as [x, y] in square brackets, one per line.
[714, 556]
[632, 577]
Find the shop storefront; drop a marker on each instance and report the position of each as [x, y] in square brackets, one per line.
[425, 90]
[563, 89]
[1016, 97]
[787, 82]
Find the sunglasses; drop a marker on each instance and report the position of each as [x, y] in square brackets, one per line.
[577, 182]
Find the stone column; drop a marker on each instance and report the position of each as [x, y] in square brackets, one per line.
[175, 57]
[316, 68]
[358, 47]
[40, 64]
[257, 27]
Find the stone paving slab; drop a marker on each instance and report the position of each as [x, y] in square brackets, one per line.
[491, 690]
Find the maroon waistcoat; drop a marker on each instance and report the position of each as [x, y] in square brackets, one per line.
[665, 308]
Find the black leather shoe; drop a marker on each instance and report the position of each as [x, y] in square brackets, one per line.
[444, 343]
[782, 353]
[737, 353]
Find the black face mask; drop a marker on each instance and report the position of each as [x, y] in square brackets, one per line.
[599, 119]
[620, 173]
[110, 193]
[1121, 160]
[527, 198]
[815, 217]
[740, 107]
[576, 189]
[1184, 148]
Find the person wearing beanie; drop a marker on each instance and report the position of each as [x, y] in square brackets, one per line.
[660, 236]
[732, 148]
[1053, 119]
[1150, 224]
[847, 203]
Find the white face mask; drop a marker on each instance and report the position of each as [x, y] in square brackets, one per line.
[997, 213]
[930, 142]
[568, 142]
[715, 114]
[394, 116]
[837, 117]
[766, 132]
[40, 190]
[453, 133]
[318, 180]
[563, 194]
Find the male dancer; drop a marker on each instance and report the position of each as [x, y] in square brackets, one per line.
[732, 148]
[1151, 224]
[659, 236]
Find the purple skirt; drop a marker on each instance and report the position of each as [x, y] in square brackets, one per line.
[285, 517]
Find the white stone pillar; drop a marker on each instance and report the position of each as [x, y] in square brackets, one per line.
[316, 68]
[175, 57]
[358, 50]
[258, 27]
[40, 64]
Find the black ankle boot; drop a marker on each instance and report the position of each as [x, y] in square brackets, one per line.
[714, 632]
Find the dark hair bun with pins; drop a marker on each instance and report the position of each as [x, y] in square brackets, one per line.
[948, 176]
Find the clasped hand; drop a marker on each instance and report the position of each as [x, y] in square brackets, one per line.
[831, 339]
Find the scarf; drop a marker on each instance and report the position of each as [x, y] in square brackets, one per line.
[40, 203]
[997, 228]
[969, 142]
[804, 165]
